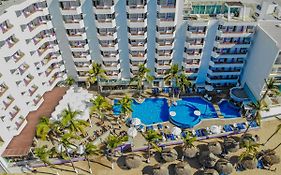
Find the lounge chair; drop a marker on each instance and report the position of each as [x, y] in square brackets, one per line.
[183, 134]
[198, 133]
[166, 90]
[260, 164]
[160, 126]
[128, 121]
[227, 128]
[173, 137]
[141, 128]
[149, 128]
[253, 124]
[241, 126]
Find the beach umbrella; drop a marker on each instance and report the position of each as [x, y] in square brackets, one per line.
[169, 155]
[133, 161]
[215, 148]
[173, 113]
[183, 168]
[132, 132]
[270, 159]
[136, 121]
[230, 144]
[190, 152]
[210, 172]
[208, 159]
[223, 166]
[209, 88]
[81, 149]
[249, 163]
[176, 131]
[215, 129]
[160, 170]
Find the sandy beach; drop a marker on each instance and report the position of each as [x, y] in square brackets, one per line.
[101, 166]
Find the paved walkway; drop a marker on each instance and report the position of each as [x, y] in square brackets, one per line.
[20, 144]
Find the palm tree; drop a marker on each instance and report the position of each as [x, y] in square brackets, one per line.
[100, 106]
[89, 150]
[125, 104]
[43, 154]
[152, 137]
[251, 149]
[270, 86]
[141, 76]
[47, 129]
[273, 134]
[183, 83]
[69, 120]
[257, 108]
[69, 81]
[66, 143]
[188, 144]
[96, 73]
[112, 143]
[172, 75]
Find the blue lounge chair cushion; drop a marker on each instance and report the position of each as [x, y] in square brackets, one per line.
[260, 164]
[241, 126]
[253, 124]
[227, 128]
[173, 137]
[149, 127]
[183, 134]
[198, 133]
[160, 126]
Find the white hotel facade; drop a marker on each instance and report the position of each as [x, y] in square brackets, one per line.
[44, 41]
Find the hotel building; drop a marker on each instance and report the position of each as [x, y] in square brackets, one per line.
[215, 42]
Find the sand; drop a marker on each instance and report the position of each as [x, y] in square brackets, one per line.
[102, 166]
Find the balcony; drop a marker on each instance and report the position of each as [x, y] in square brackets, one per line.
[235, 34]
[137, 57]
[11, 41]
[194, 45]
[8, 101]
[14, 112]
[74, 10]
[226, 63]
[28, 79]
[195, 64]
[74, 24]
[163, 56]
[79, 47]
[194, 55]
[137, 8]
[222, 44]
[137, 22]
[37, 100]
[229, 54]
[3, 89]
[5, 27]
[16, 57]
[104, 9]
[222, 80]
[32, 90]
[214, 72]
[77, 36]
[107, 35]
[168, 34]
[196, 34]
[113, 74]
[137, 35]
[22, 69]
[165, 22]
[106, 23]
[111, 66]
[163, 65]
[190, 73]
[137, 46]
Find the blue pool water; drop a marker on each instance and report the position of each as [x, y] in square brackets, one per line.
[185, 117]
[152, 110]
[229, 110]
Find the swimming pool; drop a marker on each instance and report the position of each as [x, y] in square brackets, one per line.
[185, 117]
[228, 109]
[150, 111]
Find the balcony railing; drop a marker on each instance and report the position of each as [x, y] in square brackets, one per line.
[14, 113]
[8, 102]
[3, 89]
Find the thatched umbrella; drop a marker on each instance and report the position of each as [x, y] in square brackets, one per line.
[169, 155]
[190, 152]
[230, 144]
[183, 168]
[215, 148]
[133, 161]
[210, 172]
[208, 159]
[160, 170]
[270, 159]
[249, 163]
[223, 166]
